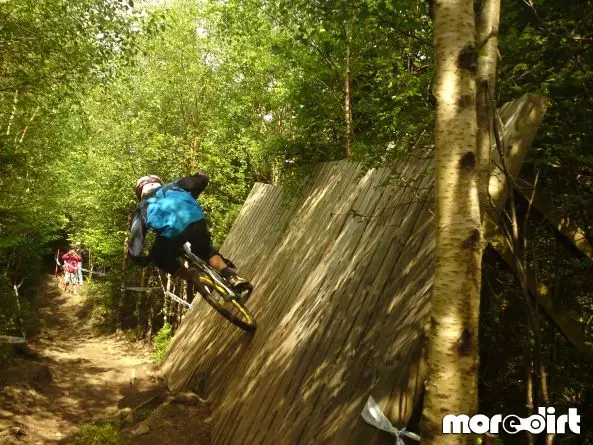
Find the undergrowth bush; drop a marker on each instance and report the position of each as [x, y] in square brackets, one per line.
[161, 342]
[99, 434]
[99, 300]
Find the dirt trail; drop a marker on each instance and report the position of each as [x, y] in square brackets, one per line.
[75, 377]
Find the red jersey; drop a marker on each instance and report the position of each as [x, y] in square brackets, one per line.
[71, 260]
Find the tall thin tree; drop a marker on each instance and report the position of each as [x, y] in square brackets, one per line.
[453, 351]
[486, 86]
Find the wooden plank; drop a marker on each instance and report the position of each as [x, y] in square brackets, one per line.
[288, 276]
[352, 294]
[246, 216]
[179, 367]
[365, 327]
[260, 217]
[210, 330]
[324, 315]
[276, 260]
[245, 242]
[345, 299]
[423, 295]
[322, 219]
[273, 232]
[245, 252]
[368, 314]
[315, 221]
[521, 119]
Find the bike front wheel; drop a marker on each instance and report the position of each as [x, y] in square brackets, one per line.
[226, 305]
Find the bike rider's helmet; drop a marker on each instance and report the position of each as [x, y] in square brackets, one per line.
[147, 183]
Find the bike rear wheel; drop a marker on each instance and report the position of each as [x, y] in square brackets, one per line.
[226, 305]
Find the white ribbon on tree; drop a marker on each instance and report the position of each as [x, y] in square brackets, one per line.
[372, 414]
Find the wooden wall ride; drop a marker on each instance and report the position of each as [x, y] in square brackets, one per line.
[343, 274]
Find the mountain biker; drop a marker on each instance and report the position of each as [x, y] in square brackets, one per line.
[71, 260]
[172, 211]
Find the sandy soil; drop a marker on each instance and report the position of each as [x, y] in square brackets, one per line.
[72, 377]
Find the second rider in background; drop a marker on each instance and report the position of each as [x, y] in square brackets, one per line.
[171, 210]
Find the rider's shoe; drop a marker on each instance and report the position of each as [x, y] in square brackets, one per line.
[241, 286]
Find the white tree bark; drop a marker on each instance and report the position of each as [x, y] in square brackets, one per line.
[486, 81]
[347, 98]
[453, 350]
[488, 43]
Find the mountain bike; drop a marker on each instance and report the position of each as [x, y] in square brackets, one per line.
[218, 292]
[69, 278]
[66, 278]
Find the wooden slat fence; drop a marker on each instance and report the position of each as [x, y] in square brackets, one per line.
[343, 275]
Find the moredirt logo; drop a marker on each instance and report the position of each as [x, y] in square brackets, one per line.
[545, 420]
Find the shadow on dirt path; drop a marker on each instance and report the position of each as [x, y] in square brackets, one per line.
[74, 377]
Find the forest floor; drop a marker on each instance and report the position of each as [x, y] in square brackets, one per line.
[70, 376]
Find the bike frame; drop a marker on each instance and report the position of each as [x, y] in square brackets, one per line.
[217, 282]
[211, 282]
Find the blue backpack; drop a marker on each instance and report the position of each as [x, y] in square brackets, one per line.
[171, 210]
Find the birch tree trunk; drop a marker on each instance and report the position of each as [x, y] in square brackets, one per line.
[488, 43]
[486, 81]
[453, 350]
[347, 97]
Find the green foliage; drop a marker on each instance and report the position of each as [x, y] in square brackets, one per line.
[101, 303]
[99, 434]
[52, 51]
[547, 49]
[6, 351]
[262, 102]
[162, 341]
[96, 93]
[389, 67]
